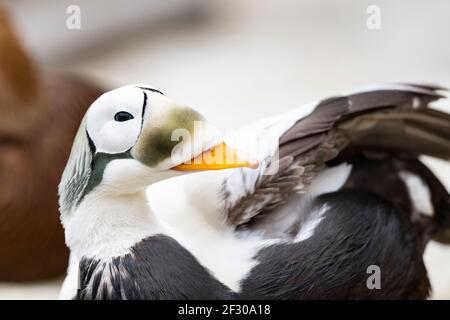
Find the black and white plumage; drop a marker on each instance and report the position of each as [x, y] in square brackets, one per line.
[290, 229]
[158, 267]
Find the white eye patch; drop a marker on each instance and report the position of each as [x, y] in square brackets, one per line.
[110, 131]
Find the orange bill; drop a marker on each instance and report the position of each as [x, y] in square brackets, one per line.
[218, 158]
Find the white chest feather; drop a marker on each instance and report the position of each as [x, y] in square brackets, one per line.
[198, 226]
[103, 230]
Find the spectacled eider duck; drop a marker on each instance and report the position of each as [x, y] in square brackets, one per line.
[39, 117]
[338, 189]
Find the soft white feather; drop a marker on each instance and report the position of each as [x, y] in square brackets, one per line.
[419, 192]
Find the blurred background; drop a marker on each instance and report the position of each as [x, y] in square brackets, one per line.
[234, 61]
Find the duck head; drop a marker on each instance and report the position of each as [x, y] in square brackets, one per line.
[134, 136]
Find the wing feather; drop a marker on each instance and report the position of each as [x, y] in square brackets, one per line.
[383, 117]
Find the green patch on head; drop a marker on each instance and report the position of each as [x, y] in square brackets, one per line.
[99, 163]
[155, 143]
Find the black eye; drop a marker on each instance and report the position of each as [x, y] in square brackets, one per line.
[123, 116]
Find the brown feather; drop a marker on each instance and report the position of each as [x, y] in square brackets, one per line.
[39, 118]
[19, 85]
[31, 237]
[393, 120]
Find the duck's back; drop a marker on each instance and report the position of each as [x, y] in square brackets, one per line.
[360, 236]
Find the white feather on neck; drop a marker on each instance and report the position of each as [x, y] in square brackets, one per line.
[106, 225]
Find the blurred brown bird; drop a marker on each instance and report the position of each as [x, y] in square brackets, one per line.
[39, 116]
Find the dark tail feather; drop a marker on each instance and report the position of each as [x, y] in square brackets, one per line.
[441, 230]
[416, 132]
[438, 227]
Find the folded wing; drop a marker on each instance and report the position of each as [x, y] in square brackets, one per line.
[294, 147]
